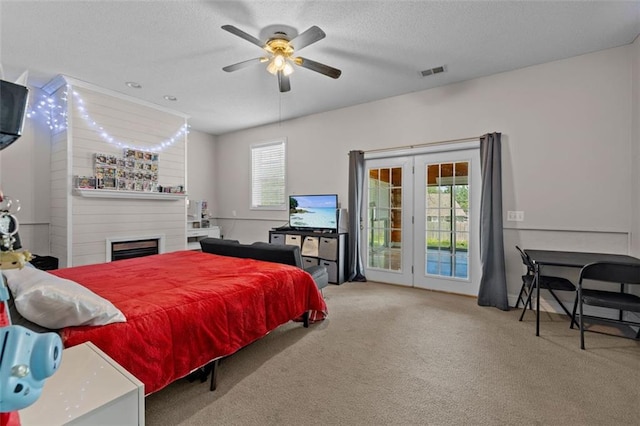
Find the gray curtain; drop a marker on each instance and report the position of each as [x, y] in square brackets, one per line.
[493, 284]
[356, 184]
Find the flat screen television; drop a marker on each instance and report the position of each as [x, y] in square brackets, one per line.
[314, 212]
[13, 107]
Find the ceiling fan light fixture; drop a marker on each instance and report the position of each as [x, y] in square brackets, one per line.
[281, 60]
[287, 69]
[279, 63]
[272, 68]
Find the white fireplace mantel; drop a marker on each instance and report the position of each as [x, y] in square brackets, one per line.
[108, 193]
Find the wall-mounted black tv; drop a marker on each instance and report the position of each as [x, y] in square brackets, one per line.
[13, 107]
[314, 212]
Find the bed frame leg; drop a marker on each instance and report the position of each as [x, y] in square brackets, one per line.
[305, 319]
[214, 375]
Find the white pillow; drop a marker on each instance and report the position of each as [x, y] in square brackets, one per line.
[55, 302]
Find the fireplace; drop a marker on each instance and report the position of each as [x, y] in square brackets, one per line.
[130, 247]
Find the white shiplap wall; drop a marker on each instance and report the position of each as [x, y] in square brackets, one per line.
[81, 225]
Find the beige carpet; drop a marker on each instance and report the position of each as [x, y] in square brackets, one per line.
[402, 356]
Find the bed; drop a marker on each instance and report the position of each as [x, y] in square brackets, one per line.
[186, 309]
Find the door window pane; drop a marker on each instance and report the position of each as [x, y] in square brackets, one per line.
[384, 217]
[447, 219]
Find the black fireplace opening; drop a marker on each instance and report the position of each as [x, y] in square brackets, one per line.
[131, 249]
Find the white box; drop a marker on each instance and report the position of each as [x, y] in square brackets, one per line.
[310, 261]
[310, 246]
[332, 270]
[293, 240]
[328, 248]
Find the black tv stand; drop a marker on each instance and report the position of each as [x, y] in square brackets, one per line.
[325, 248]
[304, 231]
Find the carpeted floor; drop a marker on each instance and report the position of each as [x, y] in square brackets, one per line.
[403, 356]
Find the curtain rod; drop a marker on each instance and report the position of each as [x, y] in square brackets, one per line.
[420, 145]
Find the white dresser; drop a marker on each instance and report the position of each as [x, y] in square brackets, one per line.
[194, 235]
[89, 388]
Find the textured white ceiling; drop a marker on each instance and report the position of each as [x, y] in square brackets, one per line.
[178, 48]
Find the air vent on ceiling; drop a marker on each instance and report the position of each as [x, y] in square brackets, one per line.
[432, 71]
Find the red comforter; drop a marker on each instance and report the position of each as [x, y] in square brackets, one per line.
[187, 308]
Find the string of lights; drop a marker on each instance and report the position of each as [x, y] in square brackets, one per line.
[56, 116]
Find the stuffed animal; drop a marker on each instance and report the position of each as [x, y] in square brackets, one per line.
[14, 259]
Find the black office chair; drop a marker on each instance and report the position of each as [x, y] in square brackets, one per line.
[547, 282]
[609, 272]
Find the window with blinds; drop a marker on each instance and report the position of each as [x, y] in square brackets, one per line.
[268, 176]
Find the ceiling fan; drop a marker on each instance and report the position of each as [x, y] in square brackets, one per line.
[281, 49]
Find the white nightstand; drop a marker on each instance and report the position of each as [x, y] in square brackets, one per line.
[89, 389]
[194, 235]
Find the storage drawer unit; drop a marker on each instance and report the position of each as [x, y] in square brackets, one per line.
[277, 239]
[293, 240]
[329, 250]
[335, 274]
[310, 261]
[310, 246]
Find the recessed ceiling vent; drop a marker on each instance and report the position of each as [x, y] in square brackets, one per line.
[432, 71]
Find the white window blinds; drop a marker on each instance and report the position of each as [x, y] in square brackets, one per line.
[268, 176]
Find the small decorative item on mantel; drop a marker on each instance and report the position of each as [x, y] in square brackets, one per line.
[85, 182]
[179, 189]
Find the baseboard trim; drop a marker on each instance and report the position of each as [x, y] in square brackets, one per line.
[548, 304]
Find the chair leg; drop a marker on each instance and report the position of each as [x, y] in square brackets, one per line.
[531, 298]
[528, 302]
[573, 317]
[581, 323]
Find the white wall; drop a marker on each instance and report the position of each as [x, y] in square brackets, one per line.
[567, 159]
[635, 129]
[201, 168]
[25, 175]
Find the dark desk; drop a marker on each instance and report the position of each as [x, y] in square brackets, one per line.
[569, 259]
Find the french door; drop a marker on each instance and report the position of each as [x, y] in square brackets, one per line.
[422, 220]
[387, 231]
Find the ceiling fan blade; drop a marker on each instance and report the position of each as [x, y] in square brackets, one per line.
[318, 67]
[283, 82]
[244, 64]
[237, 31]
[312, 35]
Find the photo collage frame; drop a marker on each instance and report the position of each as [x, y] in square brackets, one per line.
[134, 171]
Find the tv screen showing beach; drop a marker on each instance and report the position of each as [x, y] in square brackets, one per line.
[313, 211]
